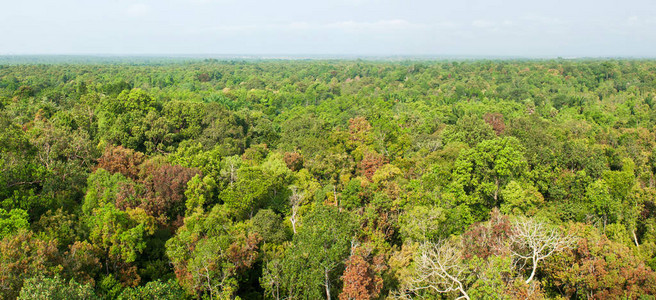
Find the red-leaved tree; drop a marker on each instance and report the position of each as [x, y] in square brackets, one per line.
[361, 277]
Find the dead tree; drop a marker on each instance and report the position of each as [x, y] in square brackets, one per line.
[533, 241]
[439, 267]
[295, 201]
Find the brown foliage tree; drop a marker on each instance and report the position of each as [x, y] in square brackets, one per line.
[203, 77]
[598, 268]
[496, 121]
[158, 187]
[121, 160]
[23, 256]
[488, 238]
[361, 277]
[127, 274]
[370, 163]
[164, 187]
[127, 196]
[243, 252]
[293, 160]
[82, 262]
[359, 130]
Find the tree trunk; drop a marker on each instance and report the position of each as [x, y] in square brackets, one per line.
[635, 238]
[462, 291]
[327, 283]
[535, 267]
[292, 219]
[464, 295]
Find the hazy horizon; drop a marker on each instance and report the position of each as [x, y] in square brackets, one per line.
[333, 29]
[317, 56]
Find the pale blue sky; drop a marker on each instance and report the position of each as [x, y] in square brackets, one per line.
[333, 27]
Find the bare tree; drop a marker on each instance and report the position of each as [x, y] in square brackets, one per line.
[233, 173]
[295, 201]
[229, 169]
[439, 267]
[533, 241]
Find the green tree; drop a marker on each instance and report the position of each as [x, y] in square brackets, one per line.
[318, 250]
[208, 254]
[12, 221]
[470, 130]
[521, 199]
[603, 204]
[120, 235]
[169, 290]
[55, 288]
[268, 225]
[423, 223]
[103, 188]
[486, 169]
[199, 193]
[248, 193]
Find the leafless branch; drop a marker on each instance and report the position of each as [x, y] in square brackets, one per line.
[534, 241]
[438, 267]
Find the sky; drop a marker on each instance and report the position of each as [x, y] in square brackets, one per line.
[526, 28]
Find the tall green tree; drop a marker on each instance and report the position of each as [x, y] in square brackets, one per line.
[482, 172]
[310, 266]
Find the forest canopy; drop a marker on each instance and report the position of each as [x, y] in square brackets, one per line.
[338, 179]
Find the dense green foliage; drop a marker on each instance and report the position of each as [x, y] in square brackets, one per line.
[341, 179]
